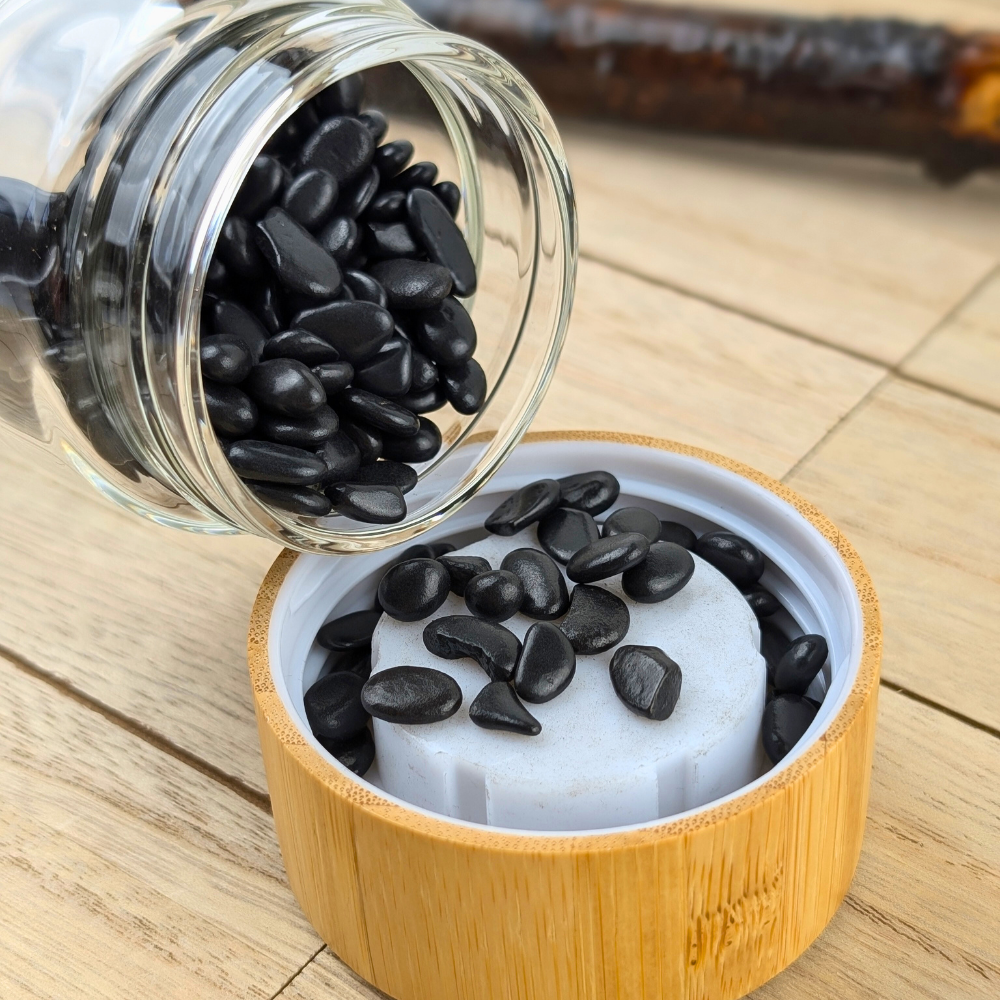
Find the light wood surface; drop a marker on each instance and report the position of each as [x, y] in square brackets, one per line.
[149, 625]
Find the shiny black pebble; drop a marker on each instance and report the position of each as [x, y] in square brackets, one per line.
[415, 589]
[387, 473]
[593, 492]
[305, 432]
[773, 646]
[545, 594]
[762, 601]
[596, 620]
[355, 661]
[260, 188]
[368, 441]
[334, 376]
[664, 572]
[632, 519]
[421, 447]
[461, 569]
[679, 534]
[351, 631]
[607, 557]
[547, 664]
[422, 174]
[495, 595]
[389, 206]
[300, 263]
[341, 457]
[412, 284]
[376, 123]
[295, 499]
[497, 707]
[565, 531]
[285, 386]
[800, 663]
[231, 410]
[333, 706]
[237, 249]
[423, 402]
[425, 372]
[393, 156]
[301, 345]
[230, 319]
[372, 504]
[495, 648]
[310, 198]
[382, 414]
[390, 372]
[356, 197]
[465, 387]
[646, 680]
[340, 239]
[411, 695]
[265, 300]
[342, 97]
[433, 226]
[225, 358]
[524, 507]
[365, 288]
[356, 329]
[384, 240]
[266, 461]
[450, 195]
[342, 146]
[731, 555]
[446, 334]
[786, 718]
[356, 754]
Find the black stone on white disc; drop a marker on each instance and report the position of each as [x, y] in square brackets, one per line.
[664, 572]
[565, 531]
[415, 589]
[632, 519]
[596, 621]
[524, 507]
[496, 649]
[495, 595]
[547, 664]
[646, 680]
[607, 557]
[732, 555]
[679, 534]
[462, 568]
[411, 695]
[593, 492]
[497, 707]
[545, 594]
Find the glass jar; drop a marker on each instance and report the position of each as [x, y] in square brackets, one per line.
[128, 126]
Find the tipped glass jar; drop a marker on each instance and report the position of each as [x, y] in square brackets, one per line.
[130, 126]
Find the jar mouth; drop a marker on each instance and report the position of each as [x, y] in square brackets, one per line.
[519, 221]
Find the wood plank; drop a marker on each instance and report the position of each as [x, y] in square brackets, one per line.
[643, 359]
[913, 479]
[857, 251]
[124, 873]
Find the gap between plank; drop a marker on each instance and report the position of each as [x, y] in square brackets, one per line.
[139, 730]
[298, 972]
[943, 709]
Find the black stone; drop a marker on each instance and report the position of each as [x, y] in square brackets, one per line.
[411, 695]
[731, 555]
[495, 648]
[786, 718]
[266, 302]
[565, 531]
[393, 156]
[446, 334]
[333, 706]
[596, 621]
[342, 146]
[300, 345]
[356, 754]
[369, 442]
[412, 284]
[334, 376]
[646, 680]
[762, 601]
[381, 414]
[294, 130]
[421, 174]
[369, 503]
[800, 663]
[310, 198]
[355, 661]
[340, 239]
[425, 372]
[664, 572]
[341, 457]
[300, 263]
[266, 461]
[679, 534]
[376, 123]
[607, 557]
[295, 499]
[237, 249]
[462, 568]
[442, 548]
[497, 707]
[423, 402]
[260, 188]
[233, 320]
[342, 97]
[225, 358]
[384, 240]
[421, 447]
[547, 664]
[524, 507]
[389, 206]
[418, 551]
[356, 197]
[593, 492]
[231, 411]
[387, 473]
[545, 594]
[351, 631]
[365, 288]
[495, 595]
[356, 329]
[216, 277]
[465, 387]
[390, 372]
[632, 519]
[435, 230]
[773, 646]
[415, 589]
[285, 386]
[305, 432]
[450, 195]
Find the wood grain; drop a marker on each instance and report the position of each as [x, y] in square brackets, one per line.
[124, 873]
[914, 478]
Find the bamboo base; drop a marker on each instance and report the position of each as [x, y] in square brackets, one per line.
[710, 905]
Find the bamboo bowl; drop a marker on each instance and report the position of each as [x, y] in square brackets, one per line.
[706, 904]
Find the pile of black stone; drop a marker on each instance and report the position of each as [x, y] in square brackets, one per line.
[331, 324]
[653, 558]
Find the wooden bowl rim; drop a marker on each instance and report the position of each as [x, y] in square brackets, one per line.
[377, 808]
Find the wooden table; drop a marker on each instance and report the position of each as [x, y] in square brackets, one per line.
[832, 320]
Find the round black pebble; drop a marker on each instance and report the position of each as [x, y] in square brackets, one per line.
[607, 557]
[593, 492]
[231, 411]
[773, 646]
[420, 447]
[301, 345]
[432, 224]
[267, 462]
[298, 261]
[343, 96]
[393, 156]
[547, 664]
[421, 174]
[411, 695]
[646, 680]
[497, 707]
[495, 648]
[310, 198]
[333, 706]
[305, 431]
[387, 473]
[495, 595]
[285, 386]
[665, 571]
[450, 195]
[368, 441]
[232, 320]
[372, 504]
[732, 556]
[340, 239]
[415, 589]
[632, 519]
[679, 534]
[225, 359]
[378, 412]
[412, 284]
[353, 631]
[356, 754]
[524, 507]
[762, 601]
[596, 621]
[800, 663]
[465, 387]
[334, 376]
[390, 372]
[365, 288]
[446, 334]
[355, 661]
[786, 718]
[260, 188]
[356, 329]
[461, 569]
[294, 499]
[341, 457]
[237, 248]
[565, 531]
[545, 594]
[341, 146]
